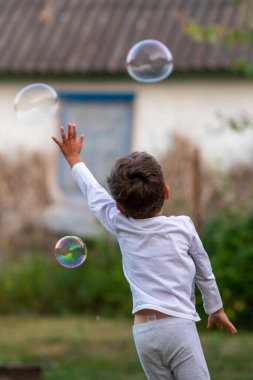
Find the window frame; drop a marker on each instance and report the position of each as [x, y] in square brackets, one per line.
[92, 97]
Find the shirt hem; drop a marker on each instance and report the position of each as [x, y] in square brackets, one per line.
[195, 318]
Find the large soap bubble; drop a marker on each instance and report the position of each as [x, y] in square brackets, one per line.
[70, 251]
[149, 61]
[36, 103]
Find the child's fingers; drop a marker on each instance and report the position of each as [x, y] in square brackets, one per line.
[209, 325]
[80, 143]
[80, 140]
[74, 131]
[230, 327]
[56, 141]
[219, 325]
[71, 132]
[221, 322]
[63, 135]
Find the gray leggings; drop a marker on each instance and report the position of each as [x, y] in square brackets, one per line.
[170, 349]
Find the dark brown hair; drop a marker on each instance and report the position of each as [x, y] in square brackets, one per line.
[136, 183]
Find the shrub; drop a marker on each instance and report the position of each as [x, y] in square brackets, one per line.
[228, 241]
[36, 283]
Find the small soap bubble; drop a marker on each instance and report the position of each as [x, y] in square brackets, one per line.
[35, 103]
[149, 61]
[70, 251]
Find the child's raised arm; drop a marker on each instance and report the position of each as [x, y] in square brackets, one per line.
[70, 145]
[99, 201]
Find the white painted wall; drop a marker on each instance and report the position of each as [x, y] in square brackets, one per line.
[184, 106]
[188, 107]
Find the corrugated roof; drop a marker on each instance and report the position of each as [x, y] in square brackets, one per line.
[94, 36]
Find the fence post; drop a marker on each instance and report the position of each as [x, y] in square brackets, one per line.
[197, 186]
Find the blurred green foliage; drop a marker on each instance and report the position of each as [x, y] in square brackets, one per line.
[228, 241]
[230, 35]
[36, 283]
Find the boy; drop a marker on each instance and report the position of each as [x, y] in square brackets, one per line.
[163, 258]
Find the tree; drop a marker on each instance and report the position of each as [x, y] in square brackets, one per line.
[237, 36]
[234, 35]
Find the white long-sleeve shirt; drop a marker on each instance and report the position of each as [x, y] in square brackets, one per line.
[163, 257]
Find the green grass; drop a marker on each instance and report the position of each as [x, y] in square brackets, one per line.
[81, 348]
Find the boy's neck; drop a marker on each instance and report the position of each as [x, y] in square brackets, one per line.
[159, 213]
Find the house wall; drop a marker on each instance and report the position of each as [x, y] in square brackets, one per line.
[187, 107]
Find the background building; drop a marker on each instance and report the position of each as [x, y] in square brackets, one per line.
[80, 48]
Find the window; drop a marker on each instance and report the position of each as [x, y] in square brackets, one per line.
[106, 121]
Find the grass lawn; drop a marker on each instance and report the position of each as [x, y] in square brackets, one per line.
[81, 348]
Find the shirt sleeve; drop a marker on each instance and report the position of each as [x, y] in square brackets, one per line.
[99, 201]
[204, 278]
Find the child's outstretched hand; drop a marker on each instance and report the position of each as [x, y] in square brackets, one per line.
[220, 319]
[70, 146]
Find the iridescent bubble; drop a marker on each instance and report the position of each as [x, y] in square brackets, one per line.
[36, 103]
[70, 251]
[149, 61]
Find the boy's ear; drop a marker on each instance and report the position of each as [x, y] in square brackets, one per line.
[167, 192]
[120, 209]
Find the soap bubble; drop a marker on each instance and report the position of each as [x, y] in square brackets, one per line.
[70, 251]
[149, 61]
[36, 103]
